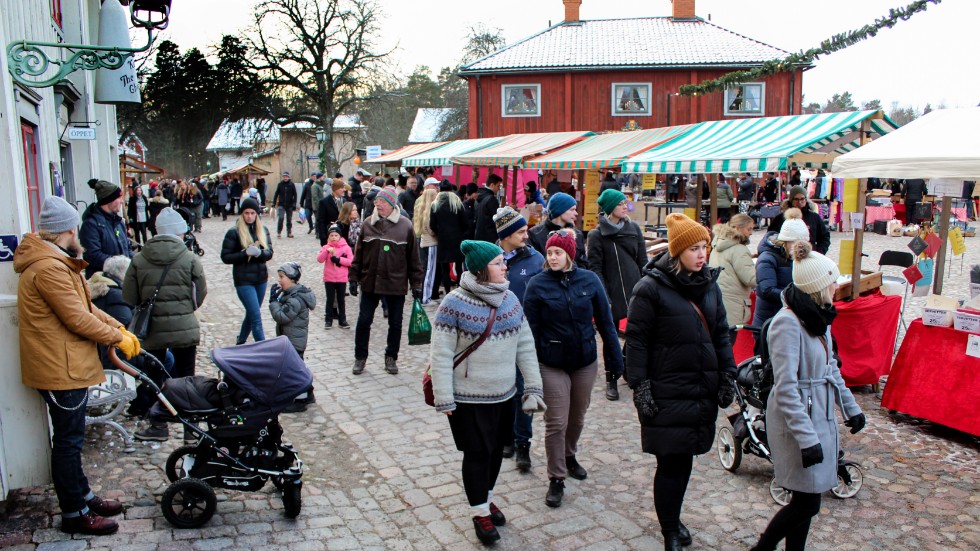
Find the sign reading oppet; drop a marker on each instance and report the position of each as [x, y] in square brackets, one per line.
[81, 133]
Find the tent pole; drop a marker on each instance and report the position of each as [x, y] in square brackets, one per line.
[862, 200]
[513, 191]
[456, 176]
[713, 183]
[699, 186]
[506, 174]
[943, 235]
[579, 195]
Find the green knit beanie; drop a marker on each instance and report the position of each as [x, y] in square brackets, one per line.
[610, 199]
[479, 253]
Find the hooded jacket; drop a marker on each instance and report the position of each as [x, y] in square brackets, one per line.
[538, 238]
[331, 272]
[773, 272]
[737, 277]
[486, 206]
[103, 234]
[819, 233]
[616, 255]
[667, 343]
[386, 257]
[246, 270]
[58, 326]
[292, 315]
[173, 323]
[107, 294]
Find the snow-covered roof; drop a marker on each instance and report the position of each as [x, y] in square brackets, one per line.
[647, 42]
[245, 133]
[427, 124]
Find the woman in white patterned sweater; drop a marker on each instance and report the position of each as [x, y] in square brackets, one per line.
[477, 394]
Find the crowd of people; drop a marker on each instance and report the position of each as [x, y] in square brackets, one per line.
[518, 315]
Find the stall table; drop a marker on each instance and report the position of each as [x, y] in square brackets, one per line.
[872, 214]
[933, 378]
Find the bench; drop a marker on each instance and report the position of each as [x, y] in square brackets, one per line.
[107, 401]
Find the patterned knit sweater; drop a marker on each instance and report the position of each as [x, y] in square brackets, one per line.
[488, 375]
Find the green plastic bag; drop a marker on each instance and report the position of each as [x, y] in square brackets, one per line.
[419, 328]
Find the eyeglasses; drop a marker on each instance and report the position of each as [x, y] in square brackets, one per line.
[560, 233]
[799, 199]
[500, 264]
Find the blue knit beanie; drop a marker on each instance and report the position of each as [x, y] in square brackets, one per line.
[558, 204]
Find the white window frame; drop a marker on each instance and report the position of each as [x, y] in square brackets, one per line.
[648, 110]
[504, 89]
[762, 101]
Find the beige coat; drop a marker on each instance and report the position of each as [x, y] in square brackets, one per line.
[737, 277]
[59, 326]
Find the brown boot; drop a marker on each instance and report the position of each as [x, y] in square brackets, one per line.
[105, 507]
[90, 524]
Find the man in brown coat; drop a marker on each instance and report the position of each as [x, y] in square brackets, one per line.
[60, 330]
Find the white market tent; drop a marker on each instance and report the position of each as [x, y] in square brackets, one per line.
[943, 144]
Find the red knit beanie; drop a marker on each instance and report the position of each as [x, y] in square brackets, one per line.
[563, 239]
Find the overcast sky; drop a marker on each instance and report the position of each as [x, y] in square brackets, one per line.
[932, 58]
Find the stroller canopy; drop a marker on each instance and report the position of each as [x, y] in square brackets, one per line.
[271, 371]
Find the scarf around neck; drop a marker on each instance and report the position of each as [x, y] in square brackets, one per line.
[693, 285]
[815, 318]
[491, 293]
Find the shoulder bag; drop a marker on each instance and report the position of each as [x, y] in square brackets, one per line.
[140, 324]
[430, 398]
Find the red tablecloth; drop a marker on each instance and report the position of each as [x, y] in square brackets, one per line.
[872, 214]
[933, 378]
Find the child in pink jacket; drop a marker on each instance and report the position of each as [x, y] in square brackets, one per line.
[336, 256]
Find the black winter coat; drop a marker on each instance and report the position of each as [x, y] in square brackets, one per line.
[285, 196]
[617, 255]
[538, 238]
[306, 198]
[246, 270]
[560, 308]
[450, 228]
[667, 343]
[327, 212]
[406, 200]
[102, 235]
[486, 206]
[914, 190]
[819, 233]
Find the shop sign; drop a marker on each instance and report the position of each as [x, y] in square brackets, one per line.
[373, 152]
[76, 133]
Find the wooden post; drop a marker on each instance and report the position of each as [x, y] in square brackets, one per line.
[697, 202]
[937, 285]
[513, 192]
[456, 176]
[713, 183]
[862, 201]
[580, 203]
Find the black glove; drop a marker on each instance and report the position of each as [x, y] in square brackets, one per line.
[335, 260]
[856, 423]
[812, 456]
[643, 400]
[274, 293]
[726, 390]
[417, 294]
[353, 288]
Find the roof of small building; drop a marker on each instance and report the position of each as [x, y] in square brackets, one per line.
[245, 133]
[642, 42]
[427, 123]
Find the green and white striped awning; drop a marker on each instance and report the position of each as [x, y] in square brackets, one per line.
[760, 144]
[442, 155]
[606, 150]
[513, 149]
[396, 156]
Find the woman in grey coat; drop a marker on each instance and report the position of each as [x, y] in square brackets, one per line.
[801, 423]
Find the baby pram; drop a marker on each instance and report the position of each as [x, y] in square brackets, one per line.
[747, 434]
[242, 448]
[189, 240]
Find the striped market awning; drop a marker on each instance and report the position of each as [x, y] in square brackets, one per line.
[397, 155]
[761, 144]
[442, 155]
[606, 150]
[513, 149]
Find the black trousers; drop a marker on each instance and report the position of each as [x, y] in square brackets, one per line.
[365, 318]
[139, 231]
[669, 486]
[335, 292]
[791, 523]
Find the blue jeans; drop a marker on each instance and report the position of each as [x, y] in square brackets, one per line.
[67, 411]
[251, 297]
[522, 421]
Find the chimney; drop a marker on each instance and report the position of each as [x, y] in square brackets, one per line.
[683, 9]
[571, 10]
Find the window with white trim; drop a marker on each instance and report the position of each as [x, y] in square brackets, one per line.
[746, 99]
[56, 13]
[630, 99]
[521, 100]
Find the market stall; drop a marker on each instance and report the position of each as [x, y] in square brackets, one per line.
[395, 158]
[440, 158]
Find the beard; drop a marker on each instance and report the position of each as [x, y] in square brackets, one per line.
[75, 248]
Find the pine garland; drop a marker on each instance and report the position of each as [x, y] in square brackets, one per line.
[835, 43]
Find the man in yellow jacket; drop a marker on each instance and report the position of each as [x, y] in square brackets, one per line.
[60, 329]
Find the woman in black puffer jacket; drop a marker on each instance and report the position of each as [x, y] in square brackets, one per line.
[247, 247]
[679, 363]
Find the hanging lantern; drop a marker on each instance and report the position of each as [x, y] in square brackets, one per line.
[357, 160]
[116, 86]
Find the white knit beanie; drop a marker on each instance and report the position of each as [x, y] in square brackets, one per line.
[812, 271]
[794, 230]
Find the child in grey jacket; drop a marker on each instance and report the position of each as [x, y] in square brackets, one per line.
[290, 304]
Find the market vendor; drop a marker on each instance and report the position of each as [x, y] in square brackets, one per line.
[819, 233]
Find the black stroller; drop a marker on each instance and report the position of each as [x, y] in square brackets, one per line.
[747, 434]
[189, 240]
[242, 447]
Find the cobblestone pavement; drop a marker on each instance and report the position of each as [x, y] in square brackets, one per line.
[382, 472]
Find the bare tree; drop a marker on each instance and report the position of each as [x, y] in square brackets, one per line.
[481, 41]
[316, 55]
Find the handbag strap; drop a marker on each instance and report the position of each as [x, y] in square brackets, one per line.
[163, 276]
[700, 315]
[471, 348]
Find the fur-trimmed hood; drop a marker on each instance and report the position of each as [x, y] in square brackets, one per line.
[100, 283]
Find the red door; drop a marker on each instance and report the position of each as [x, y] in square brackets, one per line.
[29, 137]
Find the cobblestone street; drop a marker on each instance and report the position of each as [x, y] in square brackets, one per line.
[382, 471]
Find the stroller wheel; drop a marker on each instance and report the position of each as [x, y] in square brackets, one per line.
[292, 498]
[199, 252]
[189, 503]
[729, 449]
[849, 481]
[180, 463]
[779, 494]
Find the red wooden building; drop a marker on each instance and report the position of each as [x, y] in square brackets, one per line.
[601, 74]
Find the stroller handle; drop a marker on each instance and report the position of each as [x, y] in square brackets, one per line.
[129, 369]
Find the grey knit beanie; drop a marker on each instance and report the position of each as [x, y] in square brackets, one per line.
[58, 216]
[292, 270]
[169, 222]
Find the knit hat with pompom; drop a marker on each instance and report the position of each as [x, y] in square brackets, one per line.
[812, 271]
